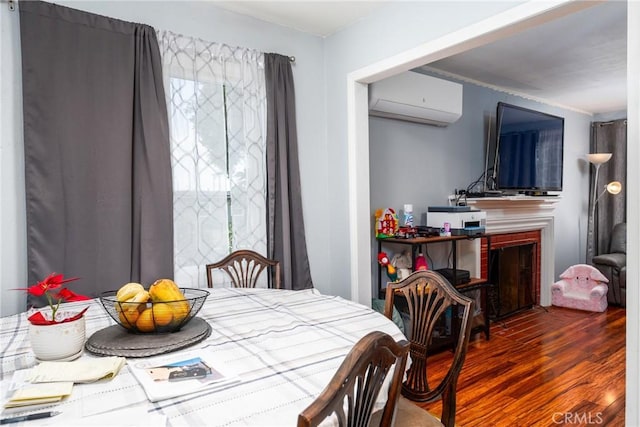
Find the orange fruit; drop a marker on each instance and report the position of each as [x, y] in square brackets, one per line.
[145, 321]
[162, 314]
[128, 318]
[128, 313]
[180, 310]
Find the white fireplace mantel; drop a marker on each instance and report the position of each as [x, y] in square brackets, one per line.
[525, 213]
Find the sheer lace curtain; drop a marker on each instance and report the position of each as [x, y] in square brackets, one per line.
[216, 102]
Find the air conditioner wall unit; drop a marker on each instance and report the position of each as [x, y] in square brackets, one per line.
[416, 97]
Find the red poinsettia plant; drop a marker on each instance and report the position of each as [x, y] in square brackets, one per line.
[51, 289]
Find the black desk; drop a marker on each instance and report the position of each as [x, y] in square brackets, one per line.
[476, 283]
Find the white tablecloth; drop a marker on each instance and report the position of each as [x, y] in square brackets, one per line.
[284, 345]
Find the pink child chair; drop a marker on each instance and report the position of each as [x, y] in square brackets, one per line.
[582, 287]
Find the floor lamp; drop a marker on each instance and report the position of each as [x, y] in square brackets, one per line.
[614, 187]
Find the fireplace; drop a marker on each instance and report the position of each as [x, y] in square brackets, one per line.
[522, 220]
[514, 261]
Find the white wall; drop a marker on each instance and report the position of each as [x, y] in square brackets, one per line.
[387, 32]
[199, 19]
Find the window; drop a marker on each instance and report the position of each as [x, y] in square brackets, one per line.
[216, 102]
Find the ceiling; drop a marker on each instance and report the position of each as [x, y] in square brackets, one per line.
[321, 18]
[579, 61]
[576, 62]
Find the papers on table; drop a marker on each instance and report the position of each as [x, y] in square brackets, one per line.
[50, 382]
[79, 371]
[37, 394]
[178, 374]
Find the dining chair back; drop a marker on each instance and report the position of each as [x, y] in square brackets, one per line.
[354, 388]
[244, 268]
[437, 312]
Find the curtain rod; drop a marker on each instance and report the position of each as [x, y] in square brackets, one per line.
[12, 6]
[610, 122]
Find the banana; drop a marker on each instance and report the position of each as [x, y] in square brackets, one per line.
[128, 291]
[135, 303]
[140, 297]
[130, 297]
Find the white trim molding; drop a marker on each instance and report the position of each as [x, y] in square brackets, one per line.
[514, 214]
[359, 215]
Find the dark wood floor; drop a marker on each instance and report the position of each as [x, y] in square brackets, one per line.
[544, 367]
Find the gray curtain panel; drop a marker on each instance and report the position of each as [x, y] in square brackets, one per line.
[97, 161]
[286, 240]
[608, 137]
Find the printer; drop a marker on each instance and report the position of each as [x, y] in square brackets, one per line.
[462, 220]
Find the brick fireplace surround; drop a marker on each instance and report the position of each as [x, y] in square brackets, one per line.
[521, 220]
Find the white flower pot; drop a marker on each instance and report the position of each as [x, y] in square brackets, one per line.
[59, 341]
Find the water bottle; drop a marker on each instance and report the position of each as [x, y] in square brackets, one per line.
[408, 215]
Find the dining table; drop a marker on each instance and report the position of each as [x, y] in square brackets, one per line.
[283, 346]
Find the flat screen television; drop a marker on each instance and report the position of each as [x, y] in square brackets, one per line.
[529, 147]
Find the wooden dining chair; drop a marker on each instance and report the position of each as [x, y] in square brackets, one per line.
[431, 300]
[244, 267]
[353, 390]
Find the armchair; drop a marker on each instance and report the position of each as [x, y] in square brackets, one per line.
[613, 265]
[582, 287]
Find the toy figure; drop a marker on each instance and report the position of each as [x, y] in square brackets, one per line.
[582, 287]
[386, 223]
[421, 263]
[402, 263]
[383, 260]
